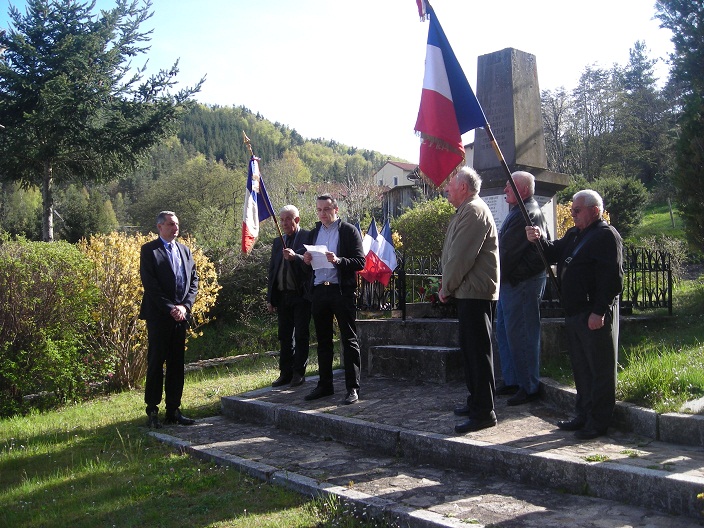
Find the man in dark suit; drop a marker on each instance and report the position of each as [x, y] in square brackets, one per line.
[170, 282]
[285, 296]
[333, 288]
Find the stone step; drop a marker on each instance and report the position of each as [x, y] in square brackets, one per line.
[413, 422]
[405, 492]
[425, 363]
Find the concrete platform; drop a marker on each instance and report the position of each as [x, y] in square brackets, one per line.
[396, 450]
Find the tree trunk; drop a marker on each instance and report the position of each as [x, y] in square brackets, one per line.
[48, 203]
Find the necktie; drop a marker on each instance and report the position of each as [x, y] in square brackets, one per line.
[175, 258]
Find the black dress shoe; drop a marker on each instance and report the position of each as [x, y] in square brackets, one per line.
[319, 392]
[462, 410]
[153, 421]
[297, 380]
[476, 424]
[588, 433]
[281, 380]
[178, 418]
[352, 397]
[575, 424]
[522, 397]
[506, 390]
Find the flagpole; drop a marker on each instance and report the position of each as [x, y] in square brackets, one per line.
[521, 205]
[248, 142]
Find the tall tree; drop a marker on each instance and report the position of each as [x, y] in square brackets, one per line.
[641, 120]
[594, 112]
[686, 20]
[73, 106]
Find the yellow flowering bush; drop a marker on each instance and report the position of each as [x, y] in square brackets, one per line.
[118, 330]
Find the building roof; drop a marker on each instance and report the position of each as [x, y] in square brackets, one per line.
[404, 166]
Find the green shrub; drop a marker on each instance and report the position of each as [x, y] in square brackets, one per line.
[624, 198]
[423, 228]
[46, 299]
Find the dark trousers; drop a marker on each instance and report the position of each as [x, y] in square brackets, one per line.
[593, 357]
[293, 312]
[167, 344]
[329, 303]
[476, 317]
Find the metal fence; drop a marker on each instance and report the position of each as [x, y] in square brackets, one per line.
[647, 284]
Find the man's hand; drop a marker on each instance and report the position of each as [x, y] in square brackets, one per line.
[307, 257]
[178, 313]
[533, 233]
[289, 254]
[442, 298]
[270, 308]
[332, 257]
[595, 321]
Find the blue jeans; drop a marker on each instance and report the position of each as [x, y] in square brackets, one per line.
[518, 332]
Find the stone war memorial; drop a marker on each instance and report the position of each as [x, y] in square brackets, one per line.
[508, 91]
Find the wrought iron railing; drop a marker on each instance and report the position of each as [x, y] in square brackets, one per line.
[647, 279]
[647, 284]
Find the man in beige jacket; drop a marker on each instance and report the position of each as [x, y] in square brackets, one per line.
[470, 274]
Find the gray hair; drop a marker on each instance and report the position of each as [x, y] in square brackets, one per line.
[526, 179]
[289, 209]
[469, 176]
[591, 198]
[161, 217]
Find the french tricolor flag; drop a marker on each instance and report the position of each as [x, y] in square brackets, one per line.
[448, 106]
[380, 255]
[257, 206]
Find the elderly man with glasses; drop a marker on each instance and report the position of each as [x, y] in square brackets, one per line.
[590, 270]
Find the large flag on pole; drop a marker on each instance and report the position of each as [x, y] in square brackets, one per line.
[448, 106]
[257, 206]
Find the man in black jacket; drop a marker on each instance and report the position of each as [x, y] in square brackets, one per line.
[285, 296]
[170, 282]
[590, 269]
[333, 286]
[522, 285]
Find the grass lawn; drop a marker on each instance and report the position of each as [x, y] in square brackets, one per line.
[92, 465]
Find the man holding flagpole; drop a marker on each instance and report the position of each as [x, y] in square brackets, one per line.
[285, 296]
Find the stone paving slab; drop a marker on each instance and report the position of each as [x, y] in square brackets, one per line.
[415, 420]
[410, 494]
[395, 452]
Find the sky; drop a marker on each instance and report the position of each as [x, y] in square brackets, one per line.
[352, 71]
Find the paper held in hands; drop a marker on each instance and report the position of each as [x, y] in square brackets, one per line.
[320, 261]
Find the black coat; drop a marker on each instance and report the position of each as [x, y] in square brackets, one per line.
[300, 271]
[159, 280]
[593, 277]
[519, 258]
[350, 253]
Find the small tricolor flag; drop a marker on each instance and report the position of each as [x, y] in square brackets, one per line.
[380, 255]
[257, 206]
[448, 106]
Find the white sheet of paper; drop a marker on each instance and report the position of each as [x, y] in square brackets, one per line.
[319, 259]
